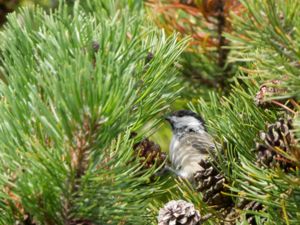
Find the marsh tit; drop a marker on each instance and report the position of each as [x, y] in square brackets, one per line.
[190, 143]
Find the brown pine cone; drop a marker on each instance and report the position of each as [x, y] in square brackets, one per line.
[178, 212]
[149, 153]
[267, 90]
[238, 213]
[278, 136]
[210, 182]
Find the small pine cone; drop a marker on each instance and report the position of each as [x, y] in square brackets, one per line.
[210, 182]
[179, 213]
[149, 58]
[95, 46]
[149, 153]
[268, 90]
[278, 135]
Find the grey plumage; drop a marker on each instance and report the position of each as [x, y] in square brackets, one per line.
[190, 143]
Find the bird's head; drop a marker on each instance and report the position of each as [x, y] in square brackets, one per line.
[186, 120]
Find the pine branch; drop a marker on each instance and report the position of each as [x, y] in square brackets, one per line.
[71, 102]
[205, 62]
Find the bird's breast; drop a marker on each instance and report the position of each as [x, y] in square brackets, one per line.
[185, 158]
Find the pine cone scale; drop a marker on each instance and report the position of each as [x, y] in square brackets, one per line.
[210, 182]
[178, 213]
[278, 136]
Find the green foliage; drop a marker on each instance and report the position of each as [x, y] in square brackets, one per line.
[75, 85]
[79, 79]
[267, 38]
[205, 63]
[266, 44]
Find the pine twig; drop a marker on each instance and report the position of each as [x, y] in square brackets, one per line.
[283, 106]
[80, 155]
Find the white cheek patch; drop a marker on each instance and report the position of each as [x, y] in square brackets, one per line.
[188, 121]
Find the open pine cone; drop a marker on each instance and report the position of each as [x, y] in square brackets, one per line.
[149, 153]
[278, 136]
[267, 90]
[210, 182]
[178, 213]
[234, 215]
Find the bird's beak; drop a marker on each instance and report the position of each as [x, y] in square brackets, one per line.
[169, 119]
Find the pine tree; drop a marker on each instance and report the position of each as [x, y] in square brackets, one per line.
[258, 118]
[205, 63]
[75, 86]
[262, 101]
[86, 84]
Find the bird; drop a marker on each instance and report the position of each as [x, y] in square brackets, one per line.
[190, 143]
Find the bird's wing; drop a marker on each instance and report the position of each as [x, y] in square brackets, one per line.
[202, 142]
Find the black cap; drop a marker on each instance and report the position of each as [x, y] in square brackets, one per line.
[185, 112]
